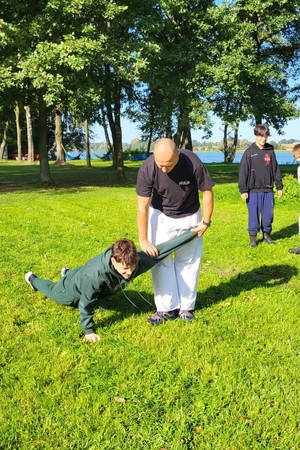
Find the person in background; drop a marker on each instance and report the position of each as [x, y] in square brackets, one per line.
[296, 153]
[258, 172]
[168, 185]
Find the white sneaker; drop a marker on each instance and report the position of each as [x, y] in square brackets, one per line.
[64, 270]
[29, 277]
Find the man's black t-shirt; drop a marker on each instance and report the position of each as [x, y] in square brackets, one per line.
[174, 193]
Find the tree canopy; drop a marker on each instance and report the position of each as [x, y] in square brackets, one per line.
[167, 64]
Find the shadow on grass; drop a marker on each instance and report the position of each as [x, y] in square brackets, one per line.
[286, 232]
[264, 276]
[124, 307]
[27, 177]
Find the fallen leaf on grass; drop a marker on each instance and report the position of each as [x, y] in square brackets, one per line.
[123, 400]
[247, 420]
[198, 429]
[249, 297]
[225, 304]
[120, 400]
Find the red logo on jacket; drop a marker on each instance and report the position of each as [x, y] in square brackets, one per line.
[267, 159]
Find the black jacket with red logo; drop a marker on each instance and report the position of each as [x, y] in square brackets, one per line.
[259, 170]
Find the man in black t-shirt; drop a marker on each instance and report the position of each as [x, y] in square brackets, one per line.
[168, 187]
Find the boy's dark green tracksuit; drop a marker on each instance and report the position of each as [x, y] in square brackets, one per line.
[84, 286]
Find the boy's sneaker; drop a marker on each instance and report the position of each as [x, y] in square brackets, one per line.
[187, 316]
[160, 316]
[29, 277]
[64, 270]
[268, 239]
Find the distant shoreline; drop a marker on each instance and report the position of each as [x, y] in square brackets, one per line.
[238, 151]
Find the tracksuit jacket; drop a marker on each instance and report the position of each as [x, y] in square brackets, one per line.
[258, 170]
[84, 286]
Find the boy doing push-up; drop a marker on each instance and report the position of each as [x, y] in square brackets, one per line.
[103, 275]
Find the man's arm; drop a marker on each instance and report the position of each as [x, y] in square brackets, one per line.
[142, 223]
[207, 210]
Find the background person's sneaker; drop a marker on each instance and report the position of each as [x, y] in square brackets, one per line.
[29, 277]
[64, 270]
[295, 250]
[160, 316]
[187, 316]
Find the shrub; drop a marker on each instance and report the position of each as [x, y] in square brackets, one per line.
[291, 188]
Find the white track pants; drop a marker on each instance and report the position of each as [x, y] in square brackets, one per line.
[175, 279]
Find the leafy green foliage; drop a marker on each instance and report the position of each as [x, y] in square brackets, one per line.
[291, 188]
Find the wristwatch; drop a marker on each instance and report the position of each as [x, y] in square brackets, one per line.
[207, 224]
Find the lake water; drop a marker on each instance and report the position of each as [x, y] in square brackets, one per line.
[206, 157]
[218, 157]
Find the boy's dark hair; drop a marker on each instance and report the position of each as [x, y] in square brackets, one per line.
[124, 251]
[261, 130]
[296, 149]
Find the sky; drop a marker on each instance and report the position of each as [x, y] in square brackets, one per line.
[130, 131]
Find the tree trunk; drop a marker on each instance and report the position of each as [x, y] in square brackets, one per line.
[43, 142]
[169, 128]
[104, 124]
[114, 120]
[19, 131]
[30, 149]
[225, 142]
[149, 141]
[118, 149]
[182, 137]
[186, 139]
[4, 141]
[60, 154]
[87, 144]
[234, 147]
[258, 119]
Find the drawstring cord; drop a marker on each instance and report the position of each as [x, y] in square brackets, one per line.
[126, 296]
[147, 301]
[136, 290]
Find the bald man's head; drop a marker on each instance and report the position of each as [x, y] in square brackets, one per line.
[165, 154]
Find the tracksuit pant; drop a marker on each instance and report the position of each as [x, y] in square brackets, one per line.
[175, 279]
[55, 291]
[260, 212]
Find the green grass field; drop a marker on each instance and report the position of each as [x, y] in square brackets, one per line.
[228, 381]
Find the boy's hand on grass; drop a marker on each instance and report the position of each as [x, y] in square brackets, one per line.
[279, 193]
[93, 337]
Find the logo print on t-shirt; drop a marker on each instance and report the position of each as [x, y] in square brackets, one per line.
[267, 159]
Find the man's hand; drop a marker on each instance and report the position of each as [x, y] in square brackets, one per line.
[149, 248]
[93, 337]
[244, 196]
[199, 229]
[279, 193]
